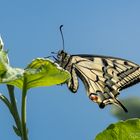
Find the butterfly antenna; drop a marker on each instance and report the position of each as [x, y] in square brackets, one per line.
[62, 35]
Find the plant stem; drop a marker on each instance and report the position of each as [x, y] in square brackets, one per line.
[14, 107]
[23, 111]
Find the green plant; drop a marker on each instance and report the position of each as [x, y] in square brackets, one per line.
[40, 72]
[122, 130]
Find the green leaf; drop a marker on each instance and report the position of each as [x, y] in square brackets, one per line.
[40, 72]
[122, 130]
[8, 74]
[13, 76]
[44, 72]
[133, 106]
[3, 58]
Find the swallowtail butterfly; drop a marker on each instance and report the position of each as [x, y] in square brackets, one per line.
[103, 76]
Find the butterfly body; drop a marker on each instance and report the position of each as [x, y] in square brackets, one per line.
[102, 76]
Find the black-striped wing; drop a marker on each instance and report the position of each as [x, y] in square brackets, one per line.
[102, 76]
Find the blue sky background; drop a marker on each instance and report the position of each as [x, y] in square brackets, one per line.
[30, 29]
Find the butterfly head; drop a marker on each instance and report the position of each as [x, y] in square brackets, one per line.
[62, 58]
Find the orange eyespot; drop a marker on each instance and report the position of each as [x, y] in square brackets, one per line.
[93, 97]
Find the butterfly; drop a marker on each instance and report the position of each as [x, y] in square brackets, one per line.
[103, 76]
